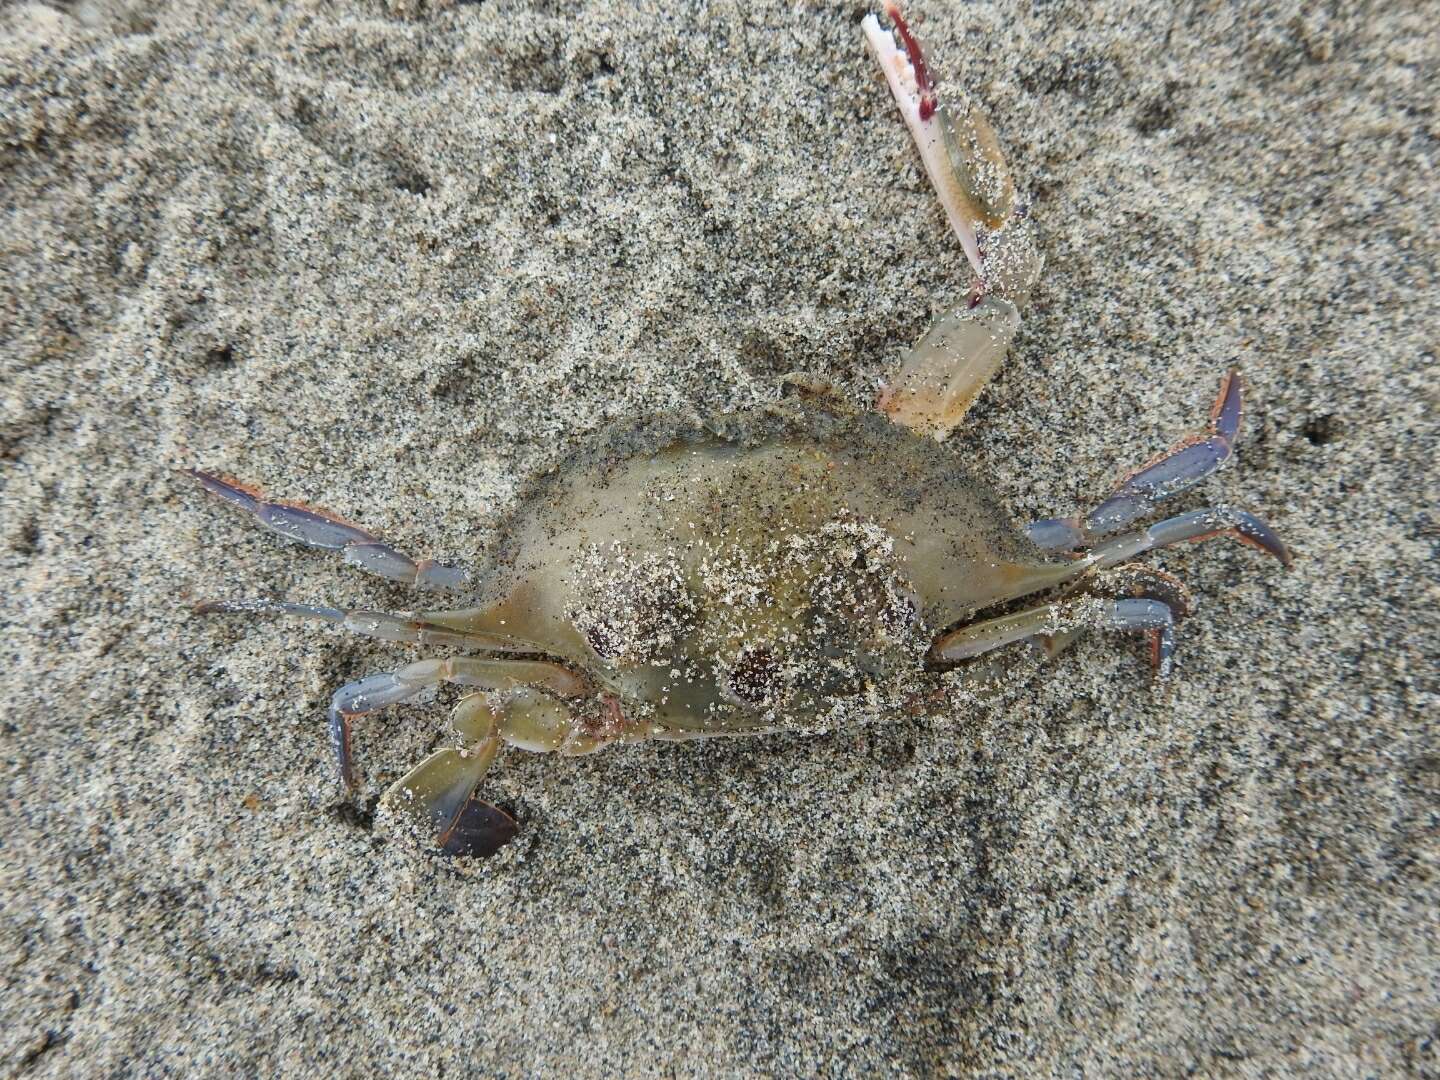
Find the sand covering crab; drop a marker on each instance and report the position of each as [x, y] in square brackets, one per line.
[740, 574]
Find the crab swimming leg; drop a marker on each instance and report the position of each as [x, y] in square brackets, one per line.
[438, 795]
[317, 528]
[404, 684]
[944, 373]
[1178, 469]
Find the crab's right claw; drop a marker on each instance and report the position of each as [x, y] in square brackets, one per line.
[958, 146]
[939, 379]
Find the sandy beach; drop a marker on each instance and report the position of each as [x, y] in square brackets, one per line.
[394, 257]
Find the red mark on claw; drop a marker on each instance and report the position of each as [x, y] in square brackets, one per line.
[923, 81]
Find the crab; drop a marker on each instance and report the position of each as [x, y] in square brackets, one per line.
[751, 572]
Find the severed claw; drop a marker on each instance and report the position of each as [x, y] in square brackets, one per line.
[958, 146]
[940, 378]
[942, 375]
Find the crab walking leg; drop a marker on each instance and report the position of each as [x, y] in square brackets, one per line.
[1067, 616]
[438, 795]
[391, 688]
[1152, 585]
[1137, 582]
[1196, 525]
[1081, 576]
[1178, 469]
[374, 624]
[316, 528]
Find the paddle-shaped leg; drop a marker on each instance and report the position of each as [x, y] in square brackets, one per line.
[438, 795]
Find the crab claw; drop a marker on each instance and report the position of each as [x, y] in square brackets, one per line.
[958, 146]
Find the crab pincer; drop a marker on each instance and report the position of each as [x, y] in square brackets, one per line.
[941, 376]
[958, 147]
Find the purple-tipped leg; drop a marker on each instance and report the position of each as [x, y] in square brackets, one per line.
[1178, 469]
[1196, 525]
[316, 528]
[1063, 617]
[1135, 582]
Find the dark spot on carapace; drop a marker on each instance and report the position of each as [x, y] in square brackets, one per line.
[754, 678]
[602, 638]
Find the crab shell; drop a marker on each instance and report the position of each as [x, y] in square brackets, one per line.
[744, 572]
